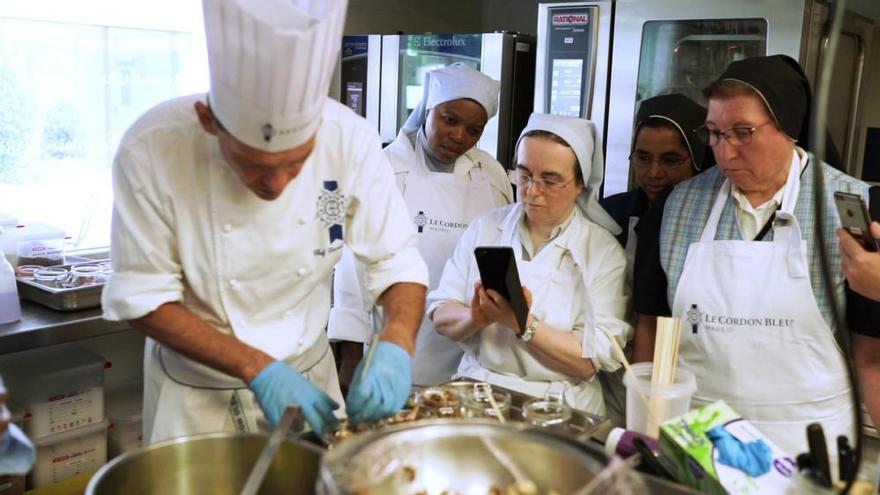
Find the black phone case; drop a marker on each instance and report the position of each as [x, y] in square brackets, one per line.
[498, 272]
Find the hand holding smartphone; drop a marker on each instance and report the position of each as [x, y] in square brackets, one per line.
[855, 219]
[498, 272]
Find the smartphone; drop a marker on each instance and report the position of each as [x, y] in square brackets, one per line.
[855, 219]
[498, 272]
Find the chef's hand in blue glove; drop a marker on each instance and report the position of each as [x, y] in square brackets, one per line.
[384, 389]
[752, 458]
[278, 386]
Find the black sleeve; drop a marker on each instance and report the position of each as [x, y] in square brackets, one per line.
[649, 279]
[862, 314]
[616, 206]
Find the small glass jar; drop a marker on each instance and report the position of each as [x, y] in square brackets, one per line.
[81, 275]
[440, 402]
[27, 270]
[106, 270]
[50, 277]
[478, 405]
[548, 412]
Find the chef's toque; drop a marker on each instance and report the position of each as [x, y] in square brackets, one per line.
[271, 62]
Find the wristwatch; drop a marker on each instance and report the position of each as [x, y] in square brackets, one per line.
[529, 332]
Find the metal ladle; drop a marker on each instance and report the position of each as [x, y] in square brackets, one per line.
[292, 415]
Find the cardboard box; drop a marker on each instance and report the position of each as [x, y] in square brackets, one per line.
[690, 456]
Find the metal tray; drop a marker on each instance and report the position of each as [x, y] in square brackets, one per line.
[583, 427]
[582, 424]
[62, 299]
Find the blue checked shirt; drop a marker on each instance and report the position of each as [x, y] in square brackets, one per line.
[687, 211]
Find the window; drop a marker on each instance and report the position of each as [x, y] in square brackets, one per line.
[73, 78]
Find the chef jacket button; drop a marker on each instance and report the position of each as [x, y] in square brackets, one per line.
[227, 228]
[303, 220]
[233, 284]
[288, 313]
[302, 271]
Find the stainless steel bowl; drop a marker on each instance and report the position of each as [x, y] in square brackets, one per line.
[457, 456]
[216, 463]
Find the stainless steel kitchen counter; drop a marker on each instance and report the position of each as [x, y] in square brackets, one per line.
[40, 326]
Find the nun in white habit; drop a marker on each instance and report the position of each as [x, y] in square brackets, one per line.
[569, 262]
[446, 182]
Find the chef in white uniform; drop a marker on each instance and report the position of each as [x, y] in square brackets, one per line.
[230, 212]
[446, 182]
[568, 259]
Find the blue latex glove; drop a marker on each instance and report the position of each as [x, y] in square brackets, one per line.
[752, 458]
[279, 386]
[17, 454]
[385, 388]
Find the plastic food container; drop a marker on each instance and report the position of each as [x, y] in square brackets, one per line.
[69, 454]
[56, 389]
[667, 401]
[33, 244]
[124, 411]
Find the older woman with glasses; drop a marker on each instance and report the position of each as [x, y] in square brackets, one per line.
[734, 252]
[570, 264]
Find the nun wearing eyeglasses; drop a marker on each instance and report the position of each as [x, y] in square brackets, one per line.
[446, 182]
[571, 266]
[665, 151]
[734, 251]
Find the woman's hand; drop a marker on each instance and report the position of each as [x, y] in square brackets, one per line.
[497, 309]
[861, 267]
[479, 317]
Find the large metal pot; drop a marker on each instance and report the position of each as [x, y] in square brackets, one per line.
[216, 463]
[457, 456]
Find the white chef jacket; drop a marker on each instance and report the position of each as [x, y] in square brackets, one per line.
[185, 229]
[584, 256]
[354, 316]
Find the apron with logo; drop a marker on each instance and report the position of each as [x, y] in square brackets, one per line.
[755, 336]
[502, 359]
[442, 205]
[185, 397]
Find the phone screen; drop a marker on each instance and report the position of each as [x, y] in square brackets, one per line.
[498, 272]
[854, 218]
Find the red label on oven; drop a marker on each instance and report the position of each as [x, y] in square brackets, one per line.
[570, 19]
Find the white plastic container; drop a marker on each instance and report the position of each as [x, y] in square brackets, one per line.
[33, 243]
[667, 401]
[69, 454]
[10, 306]
[56, 389]
[124, 411]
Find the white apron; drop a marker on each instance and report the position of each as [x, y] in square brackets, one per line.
[442, 205]
[503, 360]
[182, 397]
[755, 336]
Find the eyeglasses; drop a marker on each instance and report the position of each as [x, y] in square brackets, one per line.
[524, 180]
[735, 136]
[644, 160]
